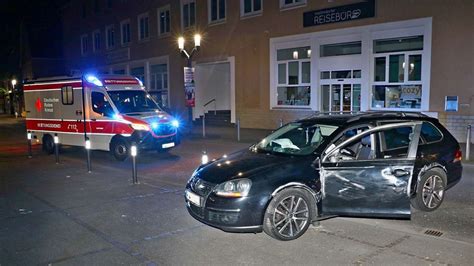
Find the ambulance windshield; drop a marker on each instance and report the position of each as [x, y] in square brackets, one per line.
[133, 101]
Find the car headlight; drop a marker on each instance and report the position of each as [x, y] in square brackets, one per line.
[234, 188]
[140, 127]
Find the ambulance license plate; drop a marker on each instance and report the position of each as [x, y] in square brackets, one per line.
[193, 198]
[167, 145]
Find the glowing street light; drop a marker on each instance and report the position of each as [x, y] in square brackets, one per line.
[181, 43]
[189, 56]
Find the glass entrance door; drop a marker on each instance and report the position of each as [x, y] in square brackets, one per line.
[340, 91]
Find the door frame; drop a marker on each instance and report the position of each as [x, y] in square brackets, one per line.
[231, 61]
[411, 158]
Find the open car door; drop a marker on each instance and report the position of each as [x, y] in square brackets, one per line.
[359, 180]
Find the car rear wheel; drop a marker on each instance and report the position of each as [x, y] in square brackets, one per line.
[119, 149]
[288, 215]
[430, 190]
[48, 144]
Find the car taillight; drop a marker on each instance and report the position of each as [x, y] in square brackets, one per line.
[457, 155]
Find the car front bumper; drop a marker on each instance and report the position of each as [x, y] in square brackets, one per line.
[146, 141]
[229, 214]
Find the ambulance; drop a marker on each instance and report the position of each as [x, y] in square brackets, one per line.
[111, 111]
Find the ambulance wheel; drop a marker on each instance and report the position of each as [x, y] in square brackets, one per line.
[48, 144]
[120, 149]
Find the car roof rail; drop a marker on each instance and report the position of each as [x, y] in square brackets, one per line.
[391, 114]
[326, 113]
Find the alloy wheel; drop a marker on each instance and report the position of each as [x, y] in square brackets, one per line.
[433, 190]
[290, 216]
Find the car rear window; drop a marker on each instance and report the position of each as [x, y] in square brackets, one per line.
[430, 133]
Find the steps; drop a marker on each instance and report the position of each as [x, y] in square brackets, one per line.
[219, 118]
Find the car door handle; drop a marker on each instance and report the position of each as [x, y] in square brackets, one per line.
[400, 172]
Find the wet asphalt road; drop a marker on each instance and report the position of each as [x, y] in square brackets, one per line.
[60, 214]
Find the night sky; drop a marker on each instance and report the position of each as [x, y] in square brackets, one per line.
[34, 25]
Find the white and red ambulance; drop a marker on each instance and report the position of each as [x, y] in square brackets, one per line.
[112, 111]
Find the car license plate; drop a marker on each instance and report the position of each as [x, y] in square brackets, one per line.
[167, 145]
[193, 198]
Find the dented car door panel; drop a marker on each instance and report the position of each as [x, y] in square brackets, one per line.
[376, 187]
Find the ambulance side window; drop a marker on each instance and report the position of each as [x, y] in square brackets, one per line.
[100, 104]
[67, 95]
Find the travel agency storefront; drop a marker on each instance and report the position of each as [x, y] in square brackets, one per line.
[384, 66]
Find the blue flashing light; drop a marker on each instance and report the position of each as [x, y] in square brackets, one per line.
[154, 125]
[117, 116]
[94, 80]
[175, 123]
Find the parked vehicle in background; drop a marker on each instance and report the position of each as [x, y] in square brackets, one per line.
[112, 111]
[364, 165]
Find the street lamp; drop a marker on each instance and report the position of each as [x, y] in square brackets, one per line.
[184, 53]
[189, 73]
[13, 82]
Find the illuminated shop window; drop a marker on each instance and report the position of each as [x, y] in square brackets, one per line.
[397, 81]
[294, 76]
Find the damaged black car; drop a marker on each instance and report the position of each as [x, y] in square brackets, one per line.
[376, 164]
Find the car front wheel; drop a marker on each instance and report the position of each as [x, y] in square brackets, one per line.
[288, 215]
[430, 190]
[119, 149]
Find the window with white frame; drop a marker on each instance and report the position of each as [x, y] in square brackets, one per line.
[110, 37]
[96, 41]
[291, 3]
[84, 44]
[125, 32]
[293, 76]
[217, 10]
[164, 20]
[188, 13]
[159, 84]
[397, 80]
[250, 7]
[143, 32]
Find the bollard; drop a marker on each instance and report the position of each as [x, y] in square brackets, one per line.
[88, 152]
[238, 129]
[56, 147]
[204, 157]
[204, 126]
[133, 152]
[468, 143]
[281, 122]
[28, 136]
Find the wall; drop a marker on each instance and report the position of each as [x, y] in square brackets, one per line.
[247, 39]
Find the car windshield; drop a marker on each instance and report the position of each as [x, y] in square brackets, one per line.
[295, 138]
[133, 101]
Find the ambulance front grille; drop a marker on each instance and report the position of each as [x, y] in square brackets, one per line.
[164, 129]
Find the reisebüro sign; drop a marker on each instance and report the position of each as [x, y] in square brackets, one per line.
[350, 12]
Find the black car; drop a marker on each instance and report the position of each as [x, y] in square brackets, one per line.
[364, 165]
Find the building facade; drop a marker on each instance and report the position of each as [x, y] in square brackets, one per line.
[266, 60]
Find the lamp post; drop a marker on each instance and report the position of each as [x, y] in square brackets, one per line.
[13, 98]
[189, 84]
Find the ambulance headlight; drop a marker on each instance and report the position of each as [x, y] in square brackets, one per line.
[94, 80]
[175, 123]
[140, 127]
